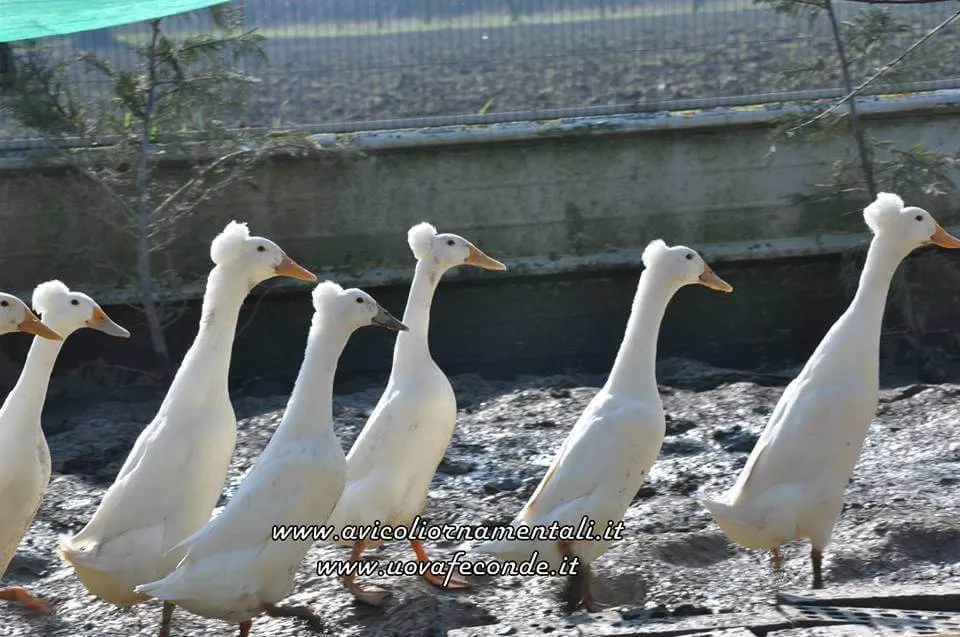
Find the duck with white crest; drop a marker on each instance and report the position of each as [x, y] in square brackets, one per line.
[394, 458]
[24, 455]
[792, 485]
[233, 568]
[173, 476]
[616, 440]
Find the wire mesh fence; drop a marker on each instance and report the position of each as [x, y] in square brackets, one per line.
[341, 66]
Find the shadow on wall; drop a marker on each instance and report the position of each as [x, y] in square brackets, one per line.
[537, 325]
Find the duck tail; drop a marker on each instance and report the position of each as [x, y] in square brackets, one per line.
[494, 547]
[725, 514]
[716, 508]
[73, 552]
[152, 589]
[732, 520]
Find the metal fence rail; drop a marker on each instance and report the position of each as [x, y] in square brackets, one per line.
[336, 66]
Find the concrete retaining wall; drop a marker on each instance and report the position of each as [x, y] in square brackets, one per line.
[560, 199]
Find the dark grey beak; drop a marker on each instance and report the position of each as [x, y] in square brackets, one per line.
[387, 320]
[100, 321]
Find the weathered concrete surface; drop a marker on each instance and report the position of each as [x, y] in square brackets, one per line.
[569, 208]
[561, 200]
[544, 325]
[911, 597]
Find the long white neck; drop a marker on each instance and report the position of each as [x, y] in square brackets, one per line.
[855, 337]
[25, 401]
[207, 361]
[634, 369]
[310, 408]
[413, 344]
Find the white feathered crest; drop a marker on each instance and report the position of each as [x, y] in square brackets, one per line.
[45, 295]
[420, 237]
[883, 211]
[324, 292]
[655, 251]
[228, 244]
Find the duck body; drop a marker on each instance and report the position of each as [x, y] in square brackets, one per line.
[24, 454]
[417, 412]
[233, 568]
[393, 460]
[616, 440]
[24, 476]
[597, 472]
[792, 485]
[172, 479]
[131, 538]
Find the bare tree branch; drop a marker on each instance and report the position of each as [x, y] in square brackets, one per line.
[174, 97]
[873, 78]
[85, 172]
[254, 154]
[856, 129]
[145, 278]
[192, 183]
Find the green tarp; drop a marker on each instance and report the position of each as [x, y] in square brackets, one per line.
[30, 19]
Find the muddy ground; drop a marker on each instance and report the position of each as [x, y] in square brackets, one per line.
[899, 524]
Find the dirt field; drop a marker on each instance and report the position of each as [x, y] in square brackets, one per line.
[899, 524]
[624, 60]
[322, 72]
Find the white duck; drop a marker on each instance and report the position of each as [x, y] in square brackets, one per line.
[170, 482]
[24, 456]
[792, 485]
[233, 569]
[15, 316]
[616, 440]
[394, 458]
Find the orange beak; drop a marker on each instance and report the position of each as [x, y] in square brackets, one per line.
[480, 260]
[289, 267]
[710, 279]
[103, 323]
[32, 325]
[944, 239]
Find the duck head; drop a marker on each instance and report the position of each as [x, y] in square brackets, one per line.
[257, 258]
[681, 266]
[353, 308]
[447, 250]
[15, 316]
[66, 311]
[907, 227]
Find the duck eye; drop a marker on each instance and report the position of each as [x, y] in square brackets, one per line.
[74, 302]
[450, 242]
[359, 299]
[919, 217]
[4, 303]
[261, 249]
[689, 257]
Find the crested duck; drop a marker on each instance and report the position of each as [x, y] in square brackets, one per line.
[233, 569]
[24, 455]
[173, 476]
[792, 485]
[396, 454]
[614, 443]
